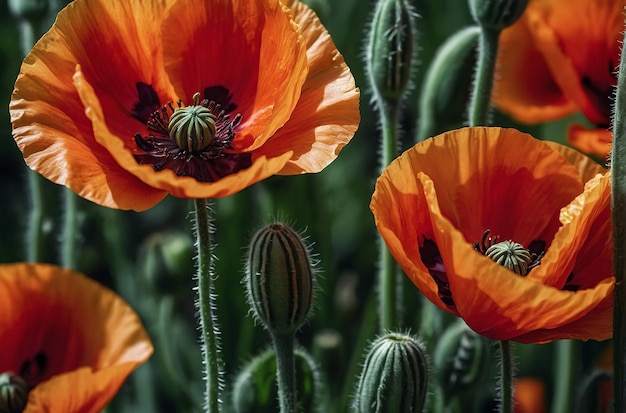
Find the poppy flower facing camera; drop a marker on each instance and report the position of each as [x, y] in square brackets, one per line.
[519, 246]
[126, 102]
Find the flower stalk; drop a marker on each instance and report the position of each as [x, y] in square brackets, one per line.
[618, 205]
[206, 304]
[506, 377]
[285, 371]
[483, 83]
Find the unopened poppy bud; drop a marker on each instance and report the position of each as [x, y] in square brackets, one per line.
[13, 393]
[497, 14]
[279, 278]
[255, 389]
[28, 9]
[192, 128]
[390, 49]
[461, 359]
[394, 377]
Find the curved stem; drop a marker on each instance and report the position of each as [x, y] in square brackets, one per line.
[483, 83]
[568, 354]
[206, 304]
[388, 282]
[285, 371]
[618, 206]
[506, 377]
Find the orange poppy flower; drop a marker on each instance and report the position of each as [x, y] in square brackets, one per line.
[443, 203]
[530, 395]
[67, 339]
[561, 58]
[126, 102]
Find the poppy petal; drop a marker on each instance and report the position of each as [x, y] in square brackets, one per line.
[166, 180]
[327, 114]
[51, 340]
[592, 141]
[524, 87]
[587, 167]
[49, 125]
[251, 47]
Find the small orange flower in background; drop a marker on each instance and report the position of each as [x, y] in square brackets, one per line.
[561, 58]
[442, 204]
[126, 102]
[67, 339]
[530, 395]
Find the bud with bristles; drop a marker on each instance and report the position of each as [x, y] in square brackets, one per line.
[390, 48]
[279, 278]
[497, 14]
[461, 359]
[394, 377]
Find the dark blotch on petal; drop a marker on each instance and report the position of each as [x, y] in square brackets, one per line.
[568, 286]
[147, 104]
[34, 369]
[431, 257]
[220, 95]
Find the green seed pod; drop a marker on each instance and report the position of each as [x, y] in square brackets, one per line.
[497, 14]
[192, 128]
[394, 377]
[390, 49]
[511, 255]
[279, 278]
[461, 359]
[13, 393]
[255, 389]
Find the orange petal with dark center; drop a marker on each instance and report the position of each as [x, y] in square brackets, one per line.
[64, 332]
[166, 180]
[251, 47]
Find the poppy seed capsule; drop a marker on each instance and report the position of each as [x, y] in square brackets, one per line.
[394, 377]
[390, 48]
[497, 14]
[193, 127]
[279, 278]
[13, 393]
[511, 255]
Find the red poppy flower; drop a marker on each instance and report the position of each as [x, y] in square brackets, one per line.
[68, 339]
[126, 102]
[443, 203]
[561, 58]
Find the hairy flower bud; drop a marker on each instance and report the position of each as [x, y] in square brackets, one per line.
[394, 377]
[497, 14]
[13, 393]
[461, 359]
[279, 278]
[255, 389]
[390, 48]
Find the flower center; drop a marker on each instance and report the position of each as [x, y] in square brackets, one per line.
[192, 127]
[193, 140]
[511, 255]
[13, 393]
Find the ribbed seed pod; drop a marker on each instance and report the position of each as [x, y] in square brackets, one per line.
[390, 48]
[279, 278]
[497, 14]
[13, 393]
[461, 359]
[394, 376]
